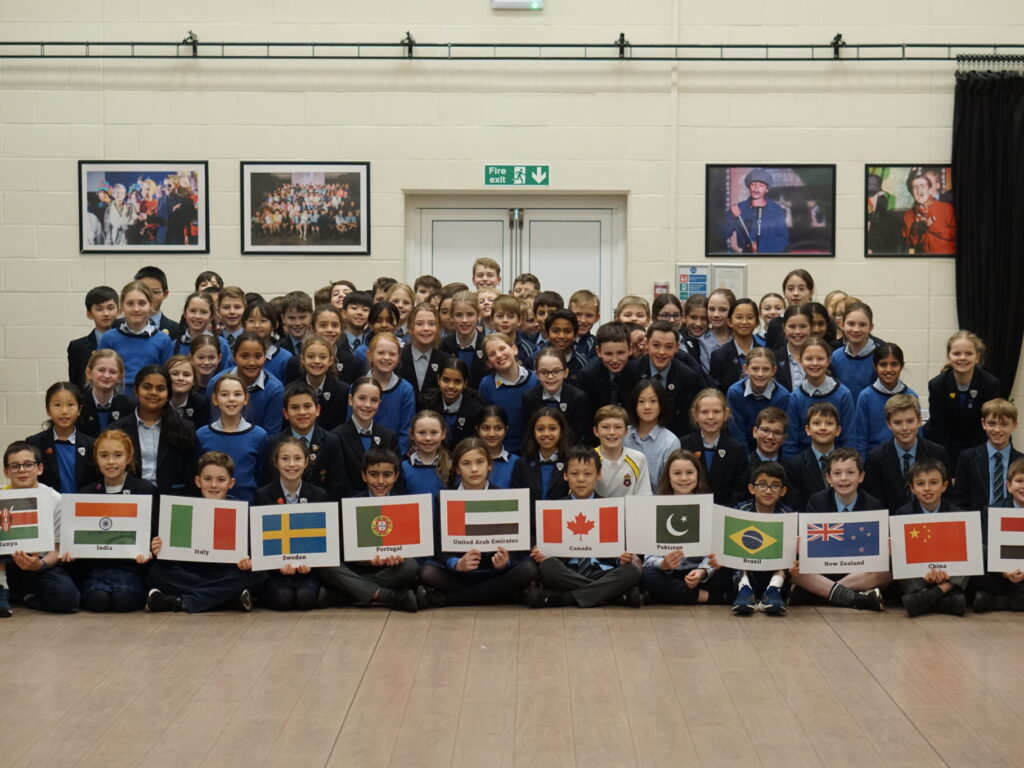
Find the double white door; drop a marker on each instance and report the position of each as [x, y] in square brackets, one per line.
[568, 245]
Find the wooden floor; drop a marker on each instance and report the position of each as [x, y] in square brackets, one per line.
[511, 686]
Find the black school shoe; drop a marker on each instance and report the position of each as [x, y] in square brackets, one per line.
[401, 600]
[869, 600]
[922, 601]
[244, 601]
[159, 602]
[538, 597]
[953, 603]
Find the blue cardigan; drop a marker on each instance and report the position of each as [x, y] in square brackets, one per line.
[422, 479]
[796, 413]
[137, 351]
[248, 449]
[266, 404]
[397, 409]
[745, 409]
[871, 427]
[856, 373]
[510, 398]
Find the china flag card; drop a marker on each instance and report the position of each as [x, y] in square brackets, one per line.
[946, 541]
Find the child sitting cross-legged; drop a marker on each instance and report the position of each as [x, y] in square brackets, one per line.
[762, 590]
[935, 591]
[1004, 591]
[585, 581]
[853, 590]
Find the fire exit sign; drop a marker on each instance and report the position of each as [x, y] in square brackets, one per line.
[517, 175]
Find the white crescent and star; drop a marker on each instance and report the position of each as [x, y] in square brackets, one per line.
[672, 530]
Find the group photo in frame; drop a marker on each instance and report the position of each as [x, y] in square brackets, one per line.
[142, 206]
[909, 210]
[309, 208]
[770, 210]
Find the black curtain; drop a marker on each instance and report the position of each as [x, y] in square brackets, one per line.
[988, 179]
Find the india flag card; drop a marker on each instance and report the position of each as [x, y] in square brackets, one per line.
[485, 520]
[392, 525]
[294, 534]
[204, 530]
[107, 525]
[26, 522]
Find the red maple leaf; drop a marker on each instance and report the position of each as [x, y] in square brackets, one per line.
[580, 525]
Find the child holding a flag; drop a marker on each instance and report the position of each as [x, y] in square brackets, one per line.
[762, 590]
[198, 587]
[113, 585]
[585, 581]
[474, 577]
[385, 580]
[1004, 591]
[292, 586]
[853, 590]
[673, 577]
[936, 591]
[38, 579]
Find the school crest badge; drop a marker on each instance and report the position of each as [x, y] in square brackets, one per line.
[671, 387]
[560, 466]
[974, 393]
[461, 421]
[563, 407]
[627, 481]
[480, 354]
[81, 450]
[433, 367]
[376, 439]
[327, 396]
[721, 453]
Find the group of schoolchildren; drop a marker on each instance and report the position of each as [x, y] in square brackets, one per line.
[772, 406]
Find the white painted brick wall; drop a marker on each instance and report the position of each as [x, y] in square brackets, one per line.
[429, 126]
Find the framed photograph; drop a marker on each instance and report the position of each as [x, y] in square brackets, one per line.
[909, 210]
[770, 210]
[308, 208]
[141, 206]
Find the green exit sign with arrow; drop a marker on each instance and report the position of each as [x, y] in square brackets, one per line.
[517, 175]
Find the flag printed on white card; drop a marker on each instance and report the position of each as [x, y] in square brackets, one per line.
[203, 530]
[844, 542]
[485, 520]
[940, 541]
[294, 534]
[105, 525]
[1005, 539]
[659, 524]
[26, 522]
[751, 541]
[581, 527]
[388, 526]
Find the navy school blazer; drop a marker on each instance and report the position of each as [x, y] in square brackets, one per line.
[352, 453]
[465, 417]
[972, 485]
[175, 465]
[85, 468]
[574, 405]
[326, 464]
[730, 468]
[825, 501]
[883, 471]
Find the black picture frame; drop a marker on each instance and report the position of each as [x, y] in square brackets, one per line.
[799, 218]
[897, 223]
[163, 206]
[334, 195]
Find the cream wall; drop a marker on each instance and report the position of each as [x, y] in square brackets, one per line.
[646, 129]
